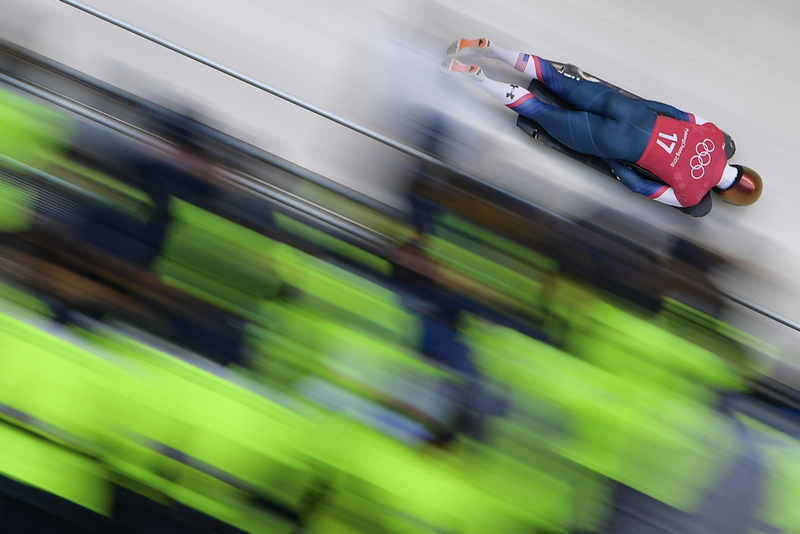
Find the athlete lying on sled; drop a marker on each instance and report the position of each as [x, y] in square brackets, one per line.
[684, 152]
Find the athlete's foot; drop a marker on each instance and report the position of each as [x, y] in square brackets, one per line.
[460, 47]
[472, 73]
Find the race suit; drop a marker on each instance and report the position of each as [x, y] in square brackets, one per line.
[687, 154]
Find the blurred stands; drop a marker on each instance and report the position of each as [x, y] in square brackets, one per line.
[198, 337]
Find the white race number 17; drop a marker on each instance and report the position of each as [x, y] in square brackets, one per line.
[662, 144]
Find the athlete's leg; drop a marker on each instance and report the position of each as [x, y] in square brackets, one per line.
[580, 130]
[534, 67]
[581, 94]
[486, 48]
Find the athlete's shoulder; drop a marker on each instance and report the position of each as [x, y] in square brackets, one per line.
[696, 119]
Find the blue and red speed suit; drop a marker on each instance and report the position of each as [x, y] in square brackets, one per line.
[686, 153]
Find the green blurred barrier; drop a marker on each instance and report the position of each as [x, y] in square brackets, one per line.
[628, 346]
[779, 483]
[210, 444]
[217, 259]
[57, 470]
[16, 206]
[31, 132]
[54, 387]
[332, 244]
[658, 441]
[24, 299]
[491, 245]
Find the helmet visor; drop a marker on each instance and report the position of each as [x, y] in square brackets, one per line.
[746, 190]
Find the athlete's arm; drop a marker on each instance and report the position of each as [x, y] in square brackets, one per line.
[633, 181]
[668, 197]
[675, 113]
[667, 110]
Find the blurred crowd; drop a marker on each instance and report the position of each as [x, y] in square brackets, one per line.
[183, 355]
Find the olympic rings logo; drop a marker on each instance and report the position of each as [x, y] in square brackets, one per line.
[702, 159]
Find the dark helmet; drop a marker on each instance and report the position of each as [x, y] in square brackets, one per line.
[746, 188]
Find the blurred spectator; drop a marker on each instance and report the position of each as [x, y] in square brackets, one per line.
[124, 236]
[189, 174]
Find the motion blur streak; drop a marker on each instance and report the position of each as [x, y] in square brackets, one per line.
[201, 336]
